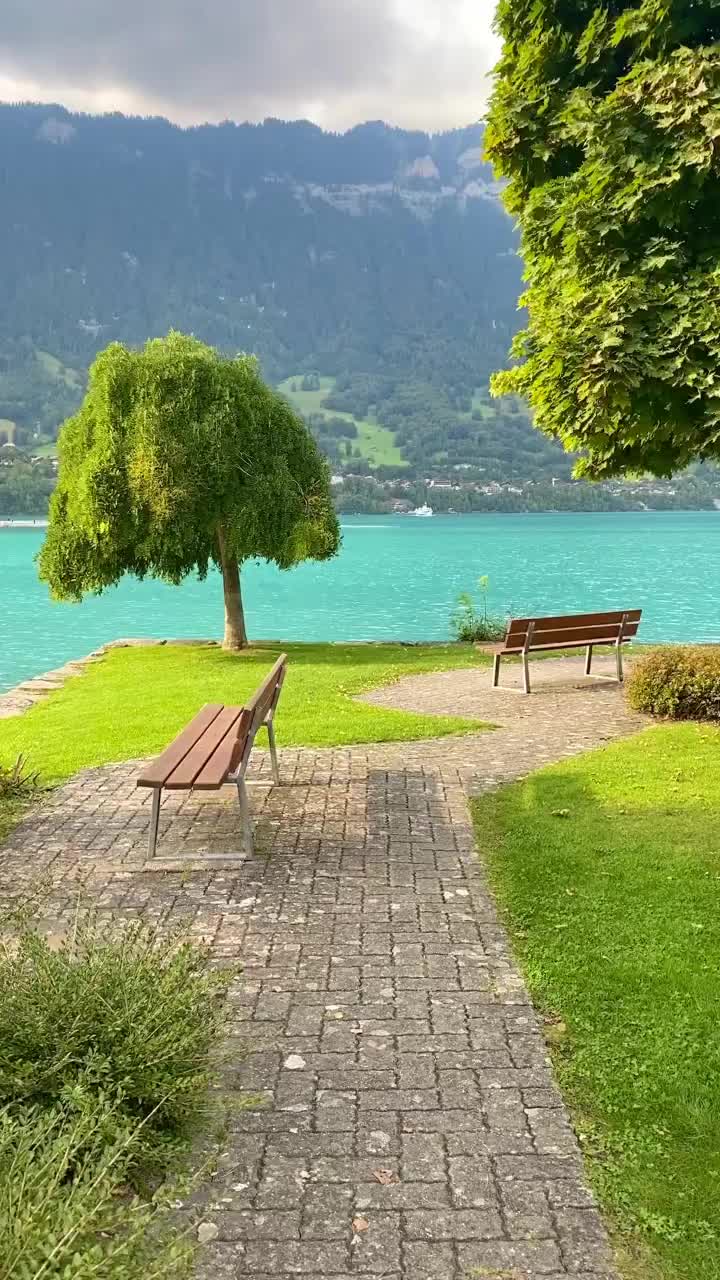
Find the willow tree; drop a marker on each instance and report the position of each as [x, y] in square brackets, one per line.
[179, 459]
[605, 119]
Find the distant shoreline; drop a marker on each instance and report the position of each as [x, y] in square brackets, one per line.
[41, 522]
[10, 523]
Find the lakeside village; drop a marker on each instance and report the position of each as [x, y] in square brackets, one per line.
[468, 491]
[28, 478]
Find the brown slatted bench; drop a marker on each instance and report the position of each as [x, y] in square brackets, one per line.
[570, 631]
[214, 749]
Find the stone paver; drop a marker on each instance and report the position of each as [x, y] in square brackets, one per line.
[400, 1118]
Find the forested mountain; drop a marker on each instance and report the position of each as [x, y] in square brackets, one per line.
[380, 257]
[375, 273]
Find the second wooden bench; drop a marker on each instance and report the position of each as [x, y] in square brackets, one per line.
[566, 631]
[215, 749]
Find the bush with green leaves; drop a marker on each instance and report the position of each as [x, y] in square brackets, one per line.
[604, 120]
[680, 682]
[471, 621]
[107, 1054]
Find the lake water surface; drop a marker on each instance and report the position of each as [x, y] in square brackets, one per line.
[395, 578]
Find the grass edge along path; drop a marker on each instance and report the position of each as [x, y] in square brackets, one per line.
[133, 701]
[607, 873]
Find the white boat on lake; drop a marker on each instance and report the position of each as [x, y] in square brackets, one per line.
[423, 511]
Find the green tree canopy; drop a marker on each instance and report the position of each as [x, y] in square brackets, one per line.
[606, 121]
[179, 458]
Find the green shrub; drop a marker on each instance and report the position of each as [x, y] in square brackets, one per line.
[681, 682]
[130, 1017]
[65, 1209]
[106, 1058]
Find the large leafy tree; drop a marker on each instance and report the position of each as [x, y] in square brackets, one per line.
[177, 459]
[605, 120]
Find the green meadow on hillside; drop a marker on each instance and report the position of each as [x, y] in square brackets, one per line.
[375, 442]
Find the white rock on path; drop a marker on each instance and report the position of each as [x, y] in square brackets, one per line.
[207, 1231]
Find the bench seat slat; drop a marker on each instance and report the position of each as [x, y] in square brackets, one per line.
[156, 773]
[225, 756]
[223, 725]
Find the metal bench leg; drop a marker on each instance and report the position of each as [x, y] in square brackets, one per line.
[588, 660]
[619, 661]
[273, 752]
[526, 673]
[247, 831]
[496, 671]
[154, 819]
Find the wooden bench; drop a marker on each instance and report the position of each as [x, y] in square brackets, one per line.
[214, 749]
[571, 631]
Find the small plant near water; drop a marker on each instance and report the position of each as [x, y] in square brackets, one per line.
[471, 620]
[107, 1049]
[681, 682]
[17, 782]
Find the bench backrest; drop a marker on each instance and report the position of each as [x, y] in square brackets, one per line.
[258, 710]
[216, 741]
[572, 629]
[263, 702]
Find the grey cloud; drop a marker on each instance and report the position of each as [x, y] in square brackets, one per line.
[337, 60]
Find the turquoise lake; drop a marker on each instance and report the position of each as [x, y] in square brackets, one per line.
[395, 578]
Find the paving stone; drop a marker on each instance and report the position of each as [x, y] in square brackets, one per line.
[472, 1182]
[293, 1258]
[526, 1211]
[356, 1171]
[423, 1157]
[402, 1195]
[510, 1258]
[377, 1249]
[453, 1224]
[327, 1212]
[424, 1261]
[217, 1262]
[276, 1224]
[282, 1184]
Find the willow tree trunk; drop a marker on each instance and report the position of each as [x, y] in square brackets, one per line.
[235, 634]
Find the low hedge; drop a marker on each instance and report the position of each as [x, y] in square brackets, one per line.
[680, 682]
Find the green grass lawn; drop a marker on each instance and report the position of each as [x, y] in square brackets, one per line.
[376, 443]
[134, 701]
[607, 869]
[308, 401]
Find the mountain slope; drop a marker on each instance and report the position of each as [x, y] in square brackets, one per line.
[380, 258]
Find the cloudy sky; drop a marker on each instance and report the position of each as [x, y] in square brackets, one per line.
[416, 63]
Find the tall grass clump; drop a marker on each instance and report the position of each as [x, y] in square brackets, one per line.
[107, 1054]
[471, 621]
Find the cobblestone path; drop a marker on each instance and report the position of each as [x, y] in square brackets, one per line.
[402, 1121]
